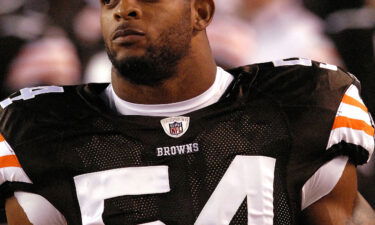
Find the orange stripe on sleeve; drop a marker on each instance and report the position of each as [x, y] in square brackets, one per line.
[354, 102]
[9, 161]
[2, 138]
[342, 121]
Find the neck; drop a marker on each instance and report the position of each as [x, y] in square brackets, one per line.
[195, 74]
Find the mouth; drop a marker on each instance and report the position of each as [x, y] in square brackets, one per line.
[127, 36]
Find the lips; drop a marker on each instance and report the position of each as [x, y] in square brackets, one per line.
[124, 33]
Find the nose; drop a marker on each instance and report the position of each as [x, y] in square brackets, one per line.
[128, 9]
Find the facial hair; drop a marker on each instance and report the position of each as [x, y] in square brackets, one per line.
[161, 59]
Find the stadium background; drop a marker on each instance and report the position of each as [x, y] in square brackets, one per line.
[44, 42]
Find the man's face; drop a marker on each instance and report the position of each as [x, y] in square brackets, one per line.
[146, 39]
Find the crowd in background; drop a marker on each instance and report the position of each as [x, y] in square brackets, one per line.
[44, 42]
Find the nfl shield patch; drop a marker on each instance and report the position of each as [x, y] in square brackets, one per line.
[175, 126]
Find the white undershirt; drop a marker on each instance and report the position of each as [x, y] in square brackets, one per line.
[209, 97]
[41, 212]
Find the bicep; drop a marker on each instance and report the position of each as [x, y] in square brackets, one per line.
[337, 206]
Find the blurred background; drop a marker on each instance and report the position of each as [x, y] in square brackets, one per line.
[44, 42]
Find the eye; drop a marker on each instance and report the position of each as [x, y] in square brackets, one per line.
[106, 2]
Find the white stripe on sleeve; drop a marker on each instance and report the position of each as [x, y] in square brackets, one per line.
[12, 174]
[354, 93]
[353, 112]
[5, 149]
[356, 137]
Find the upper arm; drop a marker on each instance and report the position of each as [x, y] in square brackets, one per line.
[35, 208]
[14, 212]
[335, 208]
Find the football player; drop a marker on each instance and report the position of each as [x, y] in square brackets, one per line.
[174, 139]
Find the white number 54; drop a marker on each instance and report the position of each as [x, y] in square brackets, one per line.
[248, 177]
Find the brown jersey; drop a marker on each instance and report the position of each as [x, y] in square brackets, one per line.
[242, 160]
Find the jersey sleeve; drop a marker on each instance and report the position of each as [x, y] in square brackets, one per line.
[352, 132]
[326, 117]
[12, 176]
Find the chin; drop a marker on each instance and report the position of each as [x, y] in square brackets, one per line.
[130, 53]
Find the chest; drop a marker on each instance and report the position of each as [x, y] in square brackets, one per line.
[226, 169]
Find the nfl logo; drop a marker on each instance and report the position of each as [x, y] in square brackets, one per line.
[176, 128]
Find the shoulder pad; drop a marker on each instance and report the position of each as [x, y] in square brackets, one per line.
[46, 108]
[296, 81]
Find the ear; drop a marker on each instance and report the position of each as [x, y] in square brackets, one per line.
[203, 12]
